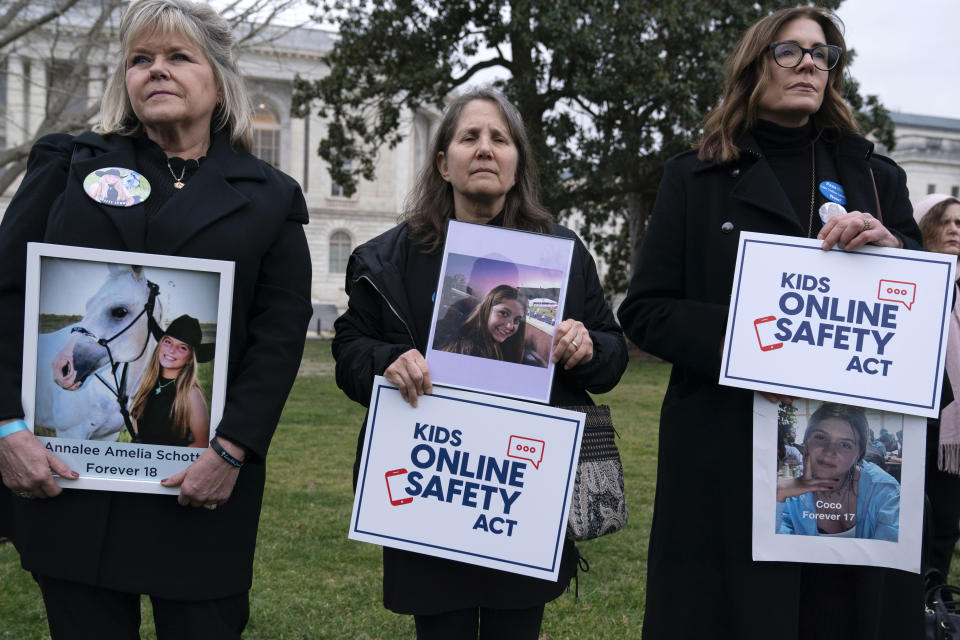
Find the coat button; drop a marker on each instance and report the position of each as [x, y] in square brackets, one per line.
[726, 227]
[735, 172]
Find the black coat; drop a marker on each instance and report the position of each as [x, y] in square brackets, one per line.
[676, 308]
[391, 284]
[234, 208]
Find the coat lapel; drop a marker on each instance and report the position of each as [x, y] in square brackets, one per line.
[208, 197]
[117, 151]
[760, 187]
[853, 167]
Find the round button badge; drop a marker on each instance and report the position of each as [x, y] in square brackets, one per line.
[116, 187]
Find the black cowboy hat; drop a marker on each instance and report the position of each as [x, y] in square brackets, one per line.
[109, 172]
[187, 329]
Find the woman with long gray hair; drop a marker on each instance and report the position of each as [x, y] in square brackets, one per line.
[480, 169]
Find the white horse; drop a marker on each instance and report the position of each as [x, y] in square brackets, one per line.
[70, 398]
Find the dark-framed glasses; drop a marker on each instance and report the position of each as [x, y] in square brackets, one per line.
[789, 54]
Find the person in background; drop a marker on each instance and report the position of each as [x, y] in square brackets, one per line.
[175, 109]
[780, 143]
[939, 217]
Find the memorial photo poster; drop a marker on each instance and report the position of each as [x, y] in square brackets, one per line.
[468, 477]
[499, 300]
[837, 484]
[92, 352]
[866, 327]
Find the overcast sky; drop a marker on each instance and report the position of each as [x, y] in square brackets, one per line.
[906, 53]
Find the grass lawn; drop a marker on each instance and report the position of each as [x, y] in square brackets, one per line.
[311, 582]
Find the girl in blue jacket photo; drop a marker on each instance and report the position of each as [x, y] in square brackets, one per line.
[840, 494]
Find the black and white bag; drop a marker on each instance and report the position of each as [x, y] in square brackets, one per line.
[599, 504]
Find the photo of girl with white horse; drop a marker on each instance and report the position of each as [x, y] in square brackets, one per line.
[101, 331]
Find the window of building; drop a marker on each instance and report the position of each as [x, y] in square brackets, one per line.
[339, 251]
[266, 135]
[67, 88]
[931, 188]
[336, 191]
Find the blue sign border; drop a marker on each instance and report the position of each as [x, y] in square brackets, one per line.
[361, 483]
[943, 327]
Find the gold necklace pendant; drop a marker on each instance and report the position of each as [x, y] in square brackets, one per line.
[177, 182]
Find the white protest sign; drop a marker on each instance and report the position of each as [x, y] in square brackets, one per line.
[873, 517]
[867, 327]
[468, 477]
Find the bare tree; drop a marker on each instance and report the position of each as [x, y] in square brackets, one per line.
[74, 43]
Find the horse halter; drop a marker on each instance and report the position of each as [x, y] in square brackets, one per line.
[119, 390]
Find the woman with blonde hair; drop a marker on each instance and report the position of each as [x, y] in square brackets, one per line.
[175, 111]
[780, 144]
[169, 407]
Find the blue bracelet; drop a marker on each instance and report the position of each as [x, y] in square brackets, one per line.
[13, 427]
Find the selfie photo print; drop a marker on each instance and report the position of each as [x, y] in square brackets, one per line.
[837, 484]
[493, 477]
[498, 302]
[866, 327]
[119, 351]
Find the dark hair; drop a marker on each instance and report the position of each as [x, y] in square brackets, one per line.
[430, 203]
[851, 415]
[746, 79]
[932, 221]
[474, 336]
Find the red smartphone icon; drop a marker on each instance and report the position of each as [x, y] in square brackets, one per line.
[395, 479]
[765, 333]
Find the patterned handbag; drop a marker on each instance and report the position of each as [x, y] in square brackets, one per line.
[599, 504]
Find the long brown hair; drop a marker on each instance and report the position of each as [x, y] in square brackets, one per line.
[747, 76]
[186, 381]
[430, 203]
[474, 337]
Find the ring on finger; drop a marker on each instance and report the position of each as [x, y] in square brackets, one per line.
[26, 495]
[866, 224]
[575, 345]
[210, 506]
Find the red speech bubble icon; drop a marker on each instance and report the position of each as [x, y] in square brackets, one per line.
[526, 449]
[895, 291]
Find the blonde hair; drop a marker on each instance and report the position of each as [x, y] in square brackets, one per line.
[746, 80]
[186, 381]
[205, 28]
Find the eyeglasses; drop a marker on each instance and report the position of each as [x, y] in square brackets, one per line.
[790, 54]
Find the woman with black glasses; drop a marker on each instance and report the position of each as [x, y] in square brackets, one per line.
[780, 144]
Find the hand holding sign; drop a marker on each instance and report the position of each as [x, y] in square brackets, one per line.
[852, 230]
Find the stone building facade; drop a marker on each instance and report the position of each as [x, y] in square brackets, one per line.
[928, 149]
[28, 79]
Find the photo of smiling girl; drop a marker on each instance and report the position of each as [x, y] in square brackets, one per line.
[839, 494]
[169, 406]
[495, 329]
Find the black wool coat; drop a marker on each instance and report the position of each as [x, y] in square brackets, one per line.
[391, 284]
[676, 308]
[236, 208]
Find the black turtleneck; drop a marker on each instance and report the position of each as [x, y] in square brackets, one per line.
[787, 150]
[152, 164]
